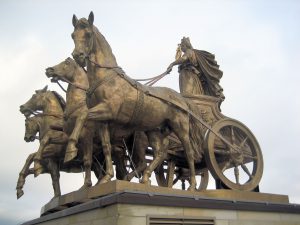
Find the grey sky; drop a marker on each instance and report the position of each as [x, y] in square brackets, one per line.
[256, 45]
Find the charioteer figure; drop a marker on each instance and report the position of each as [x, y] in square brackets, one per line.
[199, 73]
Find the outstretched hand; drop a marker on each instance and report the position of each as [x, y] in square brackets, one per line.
[169, 69]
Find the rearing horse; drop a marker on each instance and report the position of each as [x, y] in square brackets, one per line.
[128, 103]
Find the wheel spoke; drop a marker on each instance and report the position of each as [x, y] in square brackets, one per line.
[243, 142]
[237, 175]
[222, 152]
[249, 156]
[226, 166]
[244, 167]
[232, 135]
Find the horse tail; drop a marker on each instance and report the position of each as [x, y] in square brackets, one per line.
[196, 132]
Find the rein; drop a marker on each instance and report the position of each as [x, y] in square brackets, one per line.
[49, 114]
[150, 81]
[35, 113]
[71, 83]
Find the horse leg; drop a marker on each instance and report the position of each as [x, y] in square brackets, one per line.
[86, 143]
[138, 155]
[23, 174]
[180, 126]
[71, 151]
[119, 159]
[38, 168]
[106, 146]
[54, 172]
[157, 142]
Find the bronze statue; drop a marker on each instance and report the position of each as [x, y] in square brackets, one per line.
[108, 115]
[199, 73]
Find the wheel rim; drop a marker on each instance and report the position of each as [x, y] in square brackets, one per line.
[238, 163]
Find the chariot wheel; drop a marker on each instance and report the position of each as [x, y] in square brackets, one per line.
[233, 156]
[168, 174]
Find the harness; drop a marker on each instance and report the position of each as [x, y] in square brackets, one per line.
[136, 115]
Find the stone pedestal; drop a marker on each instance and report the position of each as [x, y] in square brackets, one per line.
[125, 203]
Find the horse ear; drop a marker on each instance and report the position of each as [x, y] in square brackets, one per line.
[74, 20]
[91, 18]
[45, 88]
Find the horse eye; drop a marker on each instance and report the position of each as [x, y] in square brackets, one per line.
[67, 62]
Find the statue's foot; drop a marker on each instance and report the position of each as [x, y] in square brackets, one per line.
[105, 179]
[71, 153]
[38, 169]
[20, 193]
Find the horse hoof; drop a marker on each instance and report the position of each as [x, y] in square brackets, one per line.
[38, 169]
[146, 182]
[128, 178]
[192, 188]
[20, 193]
[84, 187]
[105, 179]
[71, 153]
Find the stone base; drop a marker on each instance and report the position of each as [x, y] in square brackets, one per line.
[121, 202]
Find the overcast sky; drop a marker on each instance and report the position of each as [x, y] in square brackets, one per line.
[256, 44]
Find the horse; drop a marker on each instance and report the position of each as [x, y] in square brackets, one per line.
[52, 105]
[69, 71]
[50, 165]
[52, 135]
[154, 110]
[55, 115]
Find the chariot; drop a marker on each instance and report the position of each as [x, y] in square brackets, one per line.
[231, 153]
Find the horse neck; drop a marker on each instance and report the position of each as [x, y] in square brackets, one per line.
[42, 124]
[37, 120]
[76, 95]
[52, 105]
[102, 55]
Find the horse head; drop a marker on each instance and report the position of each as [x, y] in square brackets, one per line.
[36, 102]
[83, 37]
[90, 44]
[64, 71]
[31, 128]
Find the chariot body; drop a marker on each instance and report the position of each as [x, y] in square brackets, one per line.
[231, 152]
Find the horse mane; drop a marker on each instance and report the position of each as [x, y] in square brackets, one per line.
[102, 41]
[60, 99]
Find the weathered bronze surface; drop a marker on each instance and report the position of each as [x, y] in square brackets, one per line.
[110, 119]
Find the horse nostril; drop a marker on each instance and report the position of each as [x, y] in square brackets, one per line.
[49, 71]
